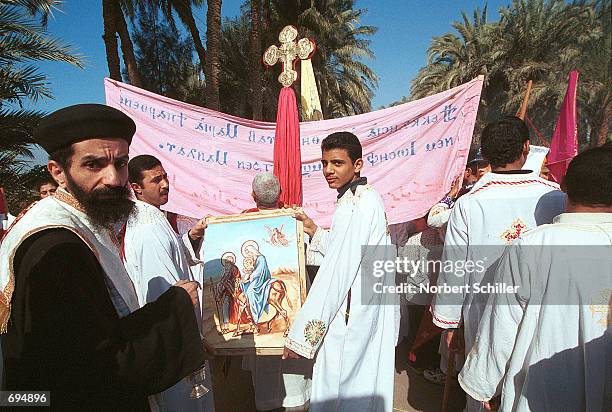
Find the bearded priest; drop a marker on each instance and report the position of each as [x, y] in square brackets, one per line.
[69, 309]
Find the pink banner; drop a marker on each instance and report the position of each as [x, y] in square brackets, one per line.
[411, 152]
[564, 143]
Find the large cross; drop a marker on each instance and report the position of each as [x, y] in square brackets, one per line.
[287, 54]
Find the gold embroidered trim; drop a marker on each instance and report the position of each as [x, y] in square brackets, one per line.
[63, 196]
[299, 348]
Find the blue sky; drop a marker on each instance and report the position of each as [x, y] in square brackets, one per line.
[405, 29]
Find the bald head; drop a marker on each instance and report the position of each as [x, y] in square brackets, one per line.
[266, 190]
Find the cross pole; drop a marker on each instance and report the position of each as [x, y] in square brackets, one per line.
[287, 156]
[288, 53]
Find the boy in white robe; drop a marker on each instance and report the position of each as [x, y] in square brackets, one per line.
[503, 204]
[156, 258]
[348, 328]
[547, 346]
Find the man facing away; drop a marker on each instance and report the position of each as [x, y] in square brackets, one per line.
[75, 328]
[503, 204]
[156, 258]
[475, 168]
[348, 328]
[277, 383]
[546, 347]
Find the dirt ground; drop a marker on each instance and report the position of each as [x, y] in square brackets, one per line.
[233, 390]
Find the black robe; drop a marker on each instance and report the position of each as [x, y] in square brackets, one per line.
[65, 336]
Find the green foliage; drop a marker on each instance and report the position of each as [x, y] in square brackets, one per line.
[23, 42]
[164, 58]
[539, 40]
[345, 83]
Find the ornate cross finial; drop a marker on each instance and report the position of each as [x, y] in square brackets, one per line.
[287, 53]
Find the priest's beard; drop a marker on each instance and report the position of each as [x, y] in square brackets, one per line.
[105, 207]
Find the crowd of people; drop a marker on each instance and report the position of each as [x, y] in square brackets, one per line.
[101, 304]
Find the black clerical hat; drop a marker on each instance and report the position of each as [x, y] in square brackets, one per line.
[81, 122]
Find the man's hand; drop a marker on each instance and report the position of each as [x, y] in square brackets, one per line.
[197, 231]
[492, 404]
[454, 190]
[191, 288]
[289, 354]
[309, 225]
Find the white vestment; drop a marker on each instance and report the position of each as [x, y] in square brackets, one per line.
[548, 346]
[277, 382]
[492, 215]
[156, 258]
[6, 223]
[355, 361]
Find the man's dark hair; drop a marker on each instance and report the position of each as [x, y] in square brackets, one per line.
[343, 140]
[588, 180]
[140, 164]
[62, 156]
[44, 180]
[502, 141]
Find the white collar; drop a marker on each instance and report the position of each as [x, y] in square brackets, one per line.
[583, 218]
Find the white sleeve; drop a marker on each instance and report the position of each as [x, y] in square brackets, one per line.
[486, 364]
[438, 215]
[156, 257]
[317, 247]
[334, 279]
[446, 307]
[192, 256]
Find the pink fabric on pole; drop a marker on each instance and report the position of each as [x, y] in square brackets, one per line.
[564, 143]
[287, 157]
[411, 152]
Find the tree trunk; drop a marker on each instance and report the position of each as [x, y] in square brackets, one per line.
[602, 135]
[266, 15]
[110, 40]
[213, 45]
[257, 92]
[185, 13]
[127, 48]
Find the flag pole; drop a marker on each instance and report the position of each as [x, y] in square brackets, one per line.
[523, 109]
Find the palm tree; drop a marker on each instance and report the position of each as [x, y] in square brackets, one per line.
[184, 11]
[213, 45]
[110, 39]
[127, 47]
[24, 41]
[255, 60]
[163, 56]
[345, 83]
[236, 76]
[113, 13]
[542, 41]
[453, 60]
[595, 89]
[539, 40]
